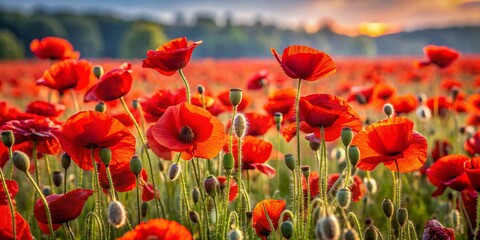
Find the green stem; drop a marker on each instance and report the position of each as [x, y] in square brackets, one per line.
[478, 217]
[49, 173]
[69, 230]
[185, 82]
[202, 196]
[325, 170]
[139, 216]
[294, 196]
[35, 160]
[187, 206]
[11, 163]
[357, 224]
[10, 204]
[110, 181]
[269, 222]
[297, 121]
[217, 214]
[225, 206]
[349, 169]
[47, 209]
[65, 182]
[239, 180]
[230, 142]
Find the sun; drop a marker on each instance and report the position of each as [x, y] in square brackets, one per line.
[374, 29]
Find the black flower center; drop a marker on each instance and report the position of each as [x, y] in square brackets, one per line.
[186, 135]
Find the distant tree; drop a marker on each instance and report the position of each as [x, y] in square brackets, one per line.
[37, 27]
[139, 38]
[84, 35]
[10, 46]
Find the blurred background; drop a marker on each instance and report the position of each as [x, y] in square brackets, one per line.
[241, 29]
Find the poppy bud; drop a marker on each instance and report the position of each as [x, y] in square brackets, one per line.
[101, 107]
[240, 125]
[174, 171]
[347, 136]
[314, 145]
[402, 216]
[136, 165]
[290, 161]
[46, 191]
[195, 195]
[98, 71]
[287, 229]
[455, 218]
[351, 235]
[337, 154]
[235, 234]
[371, 233]
[455, 90]
[144, 209]
[360, 99]
[200, 89]
[278, 118]
[235, 96]
[421, 98]
[306, 171]
[161, 166]
[135, 104]
[388, 109]
[194, 217]
[328, 227]
[8, 139]
[371, 185]
[353, 155]
[424, 113]
[343, 197]
[387, 207]
[66, 159]
[116, 214]
[211, 185]
[58, 178]
[105, 155]
[249, 216]
[21, 160]
[228, 161]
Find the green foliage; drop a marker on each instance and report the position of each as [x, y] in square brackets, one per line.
[140, 37]
[10, 46]
[84, 35]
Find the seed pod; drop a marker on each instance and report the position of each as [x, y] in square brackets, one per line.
[235, 234]
[144, 209]
[402, 216]
[135, 104]
[455, 219]
[46, 191]
[240, 125]
[66, 159]
[161, 166]
[314, 145]
[211, 185]
[347, 136]
[343, 197]
[200, 89]
[195, 195]
[21, 161]
[353, 155]
[98, 71]
[371, 185]
[306, 171]
[228, 161]
[421, 98]
[235, 96]
[101, 107]
[388, 109]
[371, 233]
[290, 161]
[278, 118]
[174, 171]
[360, 99]
[58, 178]
[351, 235]
[8, 139]
[105, 155]
[136, 165]
[116, 214]
[287, 229]
[387, 207]
[329, 228]
[424, 113]
[194, 217]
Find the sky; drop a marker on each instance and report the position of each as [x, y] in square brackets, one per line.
[346, 14]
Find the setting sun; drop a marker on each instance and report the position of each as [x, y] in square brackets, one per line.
[375, 29]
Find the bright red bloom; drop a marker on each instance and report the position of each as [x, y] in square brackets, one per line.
[8, 113]
[159, 150]
[45, 109]
[170, 57]
[21, 226]
[258, 124]
[440, 55]
[156, 105]
[224, 98]
[443, 104]
[54, 48]
[282, 101]
[255, 154]
[89, 129]
[12, 187]
[38, 130]
[260, 223]
[112, 85]
[472, 168]
[233, 193]
[63, 207]
[472, 145]
[389, 141]
[404, 104]
[160, 229]
[434, 230]
[68, 74]
[122, 177]
[191, 130]
[473, 120]
[303, 62]
[209, 103]
[473, 103]
[258, 80]
[448, 84]
[362, 95]
[147, 192]
[440, 149]
[448, 172]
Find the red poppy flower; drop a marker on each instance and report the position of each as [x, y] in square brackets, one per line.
[282, 101]
[473, 120]
[473, 103]
[448, 84]
[54, 48]
[472, 168]
[443, 104]
[45, 109]
[122, 177]
[382, 92]
[448, 172]
[305, 63]
[63, 207]
[404, 104]
[37, 130]
[273, 208]
[191, 130]
[89, 129]
[233, 193]
[68, 74]
[148, 193]
[255, 152]
[362, 95]
[21, 226]
[258, 80]
[224, 98]
[159, 150]
[156, 105]
[440, 149]
[112, 85]
[389, 141]
[8, 113]
[170, 57]
[209, 103]
[12, 187]
[440, 55]
[160, 229]
[469, 200]
[472, 145]
[434, 230]
[258, 124]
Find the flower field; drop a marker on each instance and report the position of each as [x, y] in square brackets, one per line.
[302, 145]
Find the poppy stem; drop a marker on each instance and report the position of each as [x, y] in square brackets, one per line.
[185, 196]
[294, 198]
[297, 121]
[69, 230]
[239, 181]
[348, 169]
[11, 163]
[76, 106]
[272, 228]
[49, 173]
[357, 224]
[325, 167]
[202, 196]
[110, 181]
[45, 203]
[477, 227]
[35, 160]
[185, 82]
[139, 216]
[10, 203]
[65, 181]
[225, 205]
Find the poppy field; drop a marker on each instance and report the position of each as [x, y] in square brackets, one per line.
[302, 145]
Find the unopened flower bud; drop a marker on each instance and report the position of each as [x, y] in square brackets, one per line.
[194, 217]
[249, 215]
[351, 234]
[421, 98]
[105, 155]
[235, 234]
[287, 229]
[116, 214]
[353, 155]
[135, 104]
[58, 178]
[211, 185]
[388, 109]
[66, 159]
[424, 113]
[402, 216]
[144, 209]
[98, 71]
[228, 161]
[314, 145]
[360, 99]
[101, 107]
[46, 191]
[306, 171]
[21, 160]
[343, 197]
[161, 166]
[347, 136]
[174, 171]
[240, 125]
[136, 165]
[337, 154]
[387, 207]
[235, 96]
[200, 89]
[278, 118]
[371, 233]
[328, 227]
[455, 218]
[455, 90]
[8, 139]
[371, 185]
[290, 161]
[195, 195]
